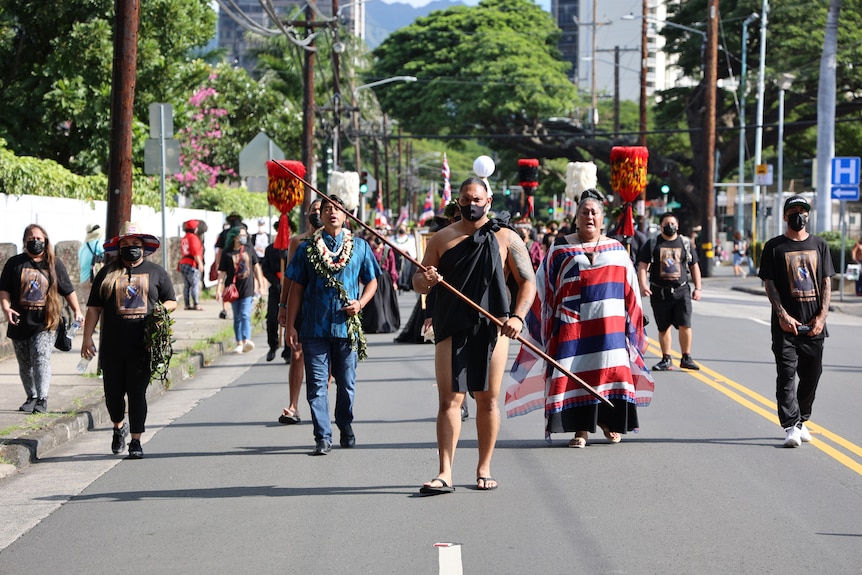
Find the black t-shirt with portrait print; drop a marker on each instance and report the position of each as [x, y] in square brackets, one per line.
[27, 282]
[239, 267]
[797, 269]
[668, 266]
[131, 300]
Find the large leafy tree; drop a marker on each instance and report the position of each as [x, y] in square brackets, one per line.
[481, 81]
[490, 69]
[794, 45]
[55, 72]
[222, 116]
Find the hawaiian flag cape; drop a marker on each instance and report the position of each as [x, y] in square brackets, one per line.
[588, 317]
[447, 187]
[428, 208]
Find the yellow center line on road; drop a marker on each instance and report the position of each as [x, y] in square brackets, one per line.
[737, 391]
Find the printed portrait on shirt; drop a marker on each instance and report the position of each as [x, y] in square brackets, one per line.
[241, 265]
[132, 294]
[671, 259]
[34, 289]
[801, 268]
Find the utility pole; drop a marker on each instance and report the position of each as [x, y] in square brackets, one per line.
[308, 110]
[616, 50]
[710, 79]
[594, 120]
[122, 115]
[642, 112]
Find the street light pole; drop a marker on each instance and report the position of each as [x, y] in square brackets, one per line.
[758, 132]
[740, 194]
[783, 85]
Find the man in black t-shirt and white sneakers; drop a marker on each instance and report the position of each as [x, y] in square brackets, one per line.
[670, 260]
[797, 270]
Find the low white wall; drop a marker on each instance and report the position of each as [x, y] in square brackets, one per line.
[67, 220]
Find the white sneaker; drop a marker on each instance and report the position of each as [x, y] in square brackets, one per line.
[249, 345]
[238, 349]
[793, 437]
[804, 434]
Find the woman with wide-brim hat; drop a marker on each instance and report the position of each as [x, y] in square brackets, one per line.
[124, 294]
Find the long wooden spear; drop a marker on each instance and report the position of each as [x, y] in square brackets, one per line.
[587, 387]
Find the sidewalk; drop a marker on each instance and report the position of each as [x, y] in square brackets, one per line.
[76, 402]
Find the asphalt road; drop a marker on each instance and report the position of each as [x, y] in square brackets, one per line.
[704, 487]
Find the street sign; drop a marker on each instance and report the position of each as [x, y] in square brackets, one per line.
[253, 158]
[159, 113]
[763, 175]
[153, 157]
[845, 178]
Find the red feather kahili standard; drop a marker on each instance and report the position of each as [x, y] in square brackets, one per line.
[528, 176]
[628, 179]
[283, 193]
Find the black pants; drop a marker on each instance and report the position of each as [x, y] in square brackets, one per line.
[272, 316]
[127, 377]
[802, 356]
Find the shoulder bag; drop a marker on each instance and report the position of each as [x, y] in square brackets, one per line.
[230, 292]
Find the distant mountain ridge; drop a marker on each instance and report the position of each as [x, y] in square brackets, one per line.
[382, 19]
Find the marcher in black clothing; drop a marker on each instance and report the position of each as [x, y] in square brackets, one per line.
[125, 360]
[273, 264]
[797, 270]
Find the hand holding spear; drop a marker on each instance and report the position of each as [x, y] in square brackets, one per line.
[431, 274]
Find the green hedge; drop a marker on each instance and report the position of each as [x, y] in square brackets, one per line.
[28, 176]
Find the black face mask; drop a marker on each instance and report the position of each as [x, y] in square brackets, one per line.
[797, 221]
[131, 254]
[669, 229]
[315, 221]
[35, 247]
[472, 212]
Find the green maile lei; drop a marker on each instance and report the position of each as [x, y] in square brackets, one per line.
[322, 259]
[158, 339]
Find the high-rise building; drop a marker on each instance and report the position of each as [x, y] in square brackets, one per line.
[617, 26]
[566, 13]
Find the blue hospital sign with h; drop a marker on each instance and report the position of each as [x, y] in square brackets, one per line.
[845, 178]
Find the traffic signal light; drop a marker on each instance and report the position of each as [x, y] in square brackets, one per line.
[808, 169]
[363, 183]
[665, 182]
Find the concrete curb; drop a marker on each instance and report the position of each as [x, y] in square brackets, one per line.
[23, 450]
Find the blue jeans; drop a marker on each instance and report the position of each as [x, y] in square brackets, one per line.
[321, 357]
[242, 318]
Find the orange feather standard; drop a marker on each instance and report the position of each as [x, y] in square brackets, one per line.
[628, 179]
[283, 193]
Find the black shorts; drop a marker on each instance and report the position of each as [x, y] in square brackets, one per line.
[671, 306]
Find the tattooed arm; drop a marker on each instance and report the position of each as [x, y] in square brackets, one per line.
[785, 321]
[517, 263]
[825, 300]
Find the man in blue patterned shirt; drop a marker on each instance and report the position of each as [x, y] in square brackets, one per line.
[327, 270]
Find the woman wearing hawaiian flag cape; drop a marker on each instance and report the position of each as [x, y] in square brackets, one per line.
[587, 316]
